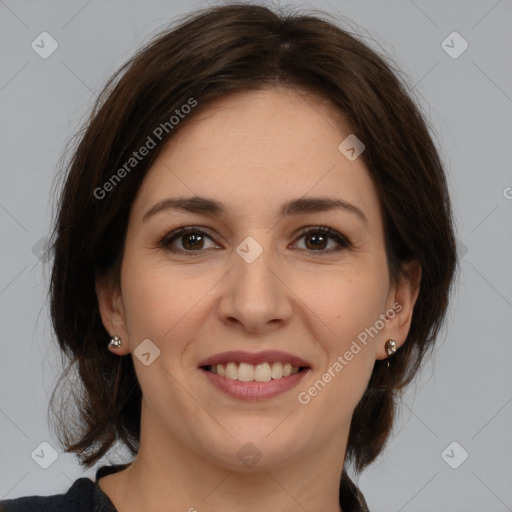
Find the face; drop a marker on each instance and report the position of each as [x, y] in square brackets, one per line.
[255, 277]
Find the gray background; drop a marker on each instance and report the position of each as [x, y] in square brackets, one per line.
[463, 395]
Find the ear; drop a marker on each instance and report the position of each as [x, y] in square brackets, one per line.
[400, 305]
[111, 309]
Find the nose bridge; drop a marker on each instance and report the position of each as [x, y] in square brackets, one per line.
[254, 295]
[253, 278]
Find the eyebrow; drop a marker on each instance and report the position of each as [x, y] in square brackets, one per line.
[211, 207]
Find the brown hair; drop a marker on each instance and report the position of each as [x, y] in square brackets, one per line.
[211, 53]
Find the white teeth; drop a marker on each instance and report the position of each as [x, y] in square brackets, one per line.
[263, 372]
[245, 372]
[277, 370]
[231, 371]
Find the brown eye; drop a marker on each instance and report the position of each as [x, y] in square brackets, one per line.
[317, 240]
[190, 240]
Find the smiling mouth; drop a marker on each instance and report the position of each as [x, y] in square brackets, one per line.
[246, 372]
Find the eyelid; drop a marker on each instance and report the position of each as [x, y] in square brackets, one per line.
[165, 242]
[324, 229]
[342, 241]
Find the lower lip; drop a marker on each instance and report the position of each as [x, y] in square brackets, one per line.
[254, 390]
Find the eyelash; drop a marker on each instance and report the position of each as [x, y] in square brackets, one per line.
[343, 242]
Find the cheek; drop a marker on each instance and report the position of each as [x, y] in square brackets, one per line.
[160, 301]
[148, 299]
[349, 306]
[347, 303]
[359, 312]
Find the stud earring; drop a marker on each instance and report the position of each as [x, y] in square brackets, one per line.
[115, 342]
[391, 348]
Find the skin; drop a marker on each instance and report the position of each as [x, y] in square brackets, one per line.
[253, 151]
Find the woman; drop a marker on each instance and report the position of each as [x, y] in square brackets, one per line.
[252, 257]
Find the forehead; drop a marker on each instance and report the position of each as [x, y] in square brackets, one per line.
[256, 149]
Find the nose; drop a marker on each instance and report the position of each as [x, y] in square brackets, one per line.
[255, 296]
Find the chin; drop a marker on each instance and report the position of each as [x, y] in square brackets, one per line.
[253, 449]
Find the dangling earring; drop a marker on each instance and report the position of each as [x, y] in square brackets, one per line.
[115, 342]
[391, 348]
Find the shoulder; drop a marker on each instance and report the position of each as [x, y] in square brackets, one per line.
[83, 496]
[78, 497]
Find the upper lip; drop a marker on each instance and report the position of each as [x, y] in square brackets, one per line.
[267, 356]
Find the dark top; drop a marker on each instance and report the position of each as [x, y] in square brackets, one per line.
[86, 495]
